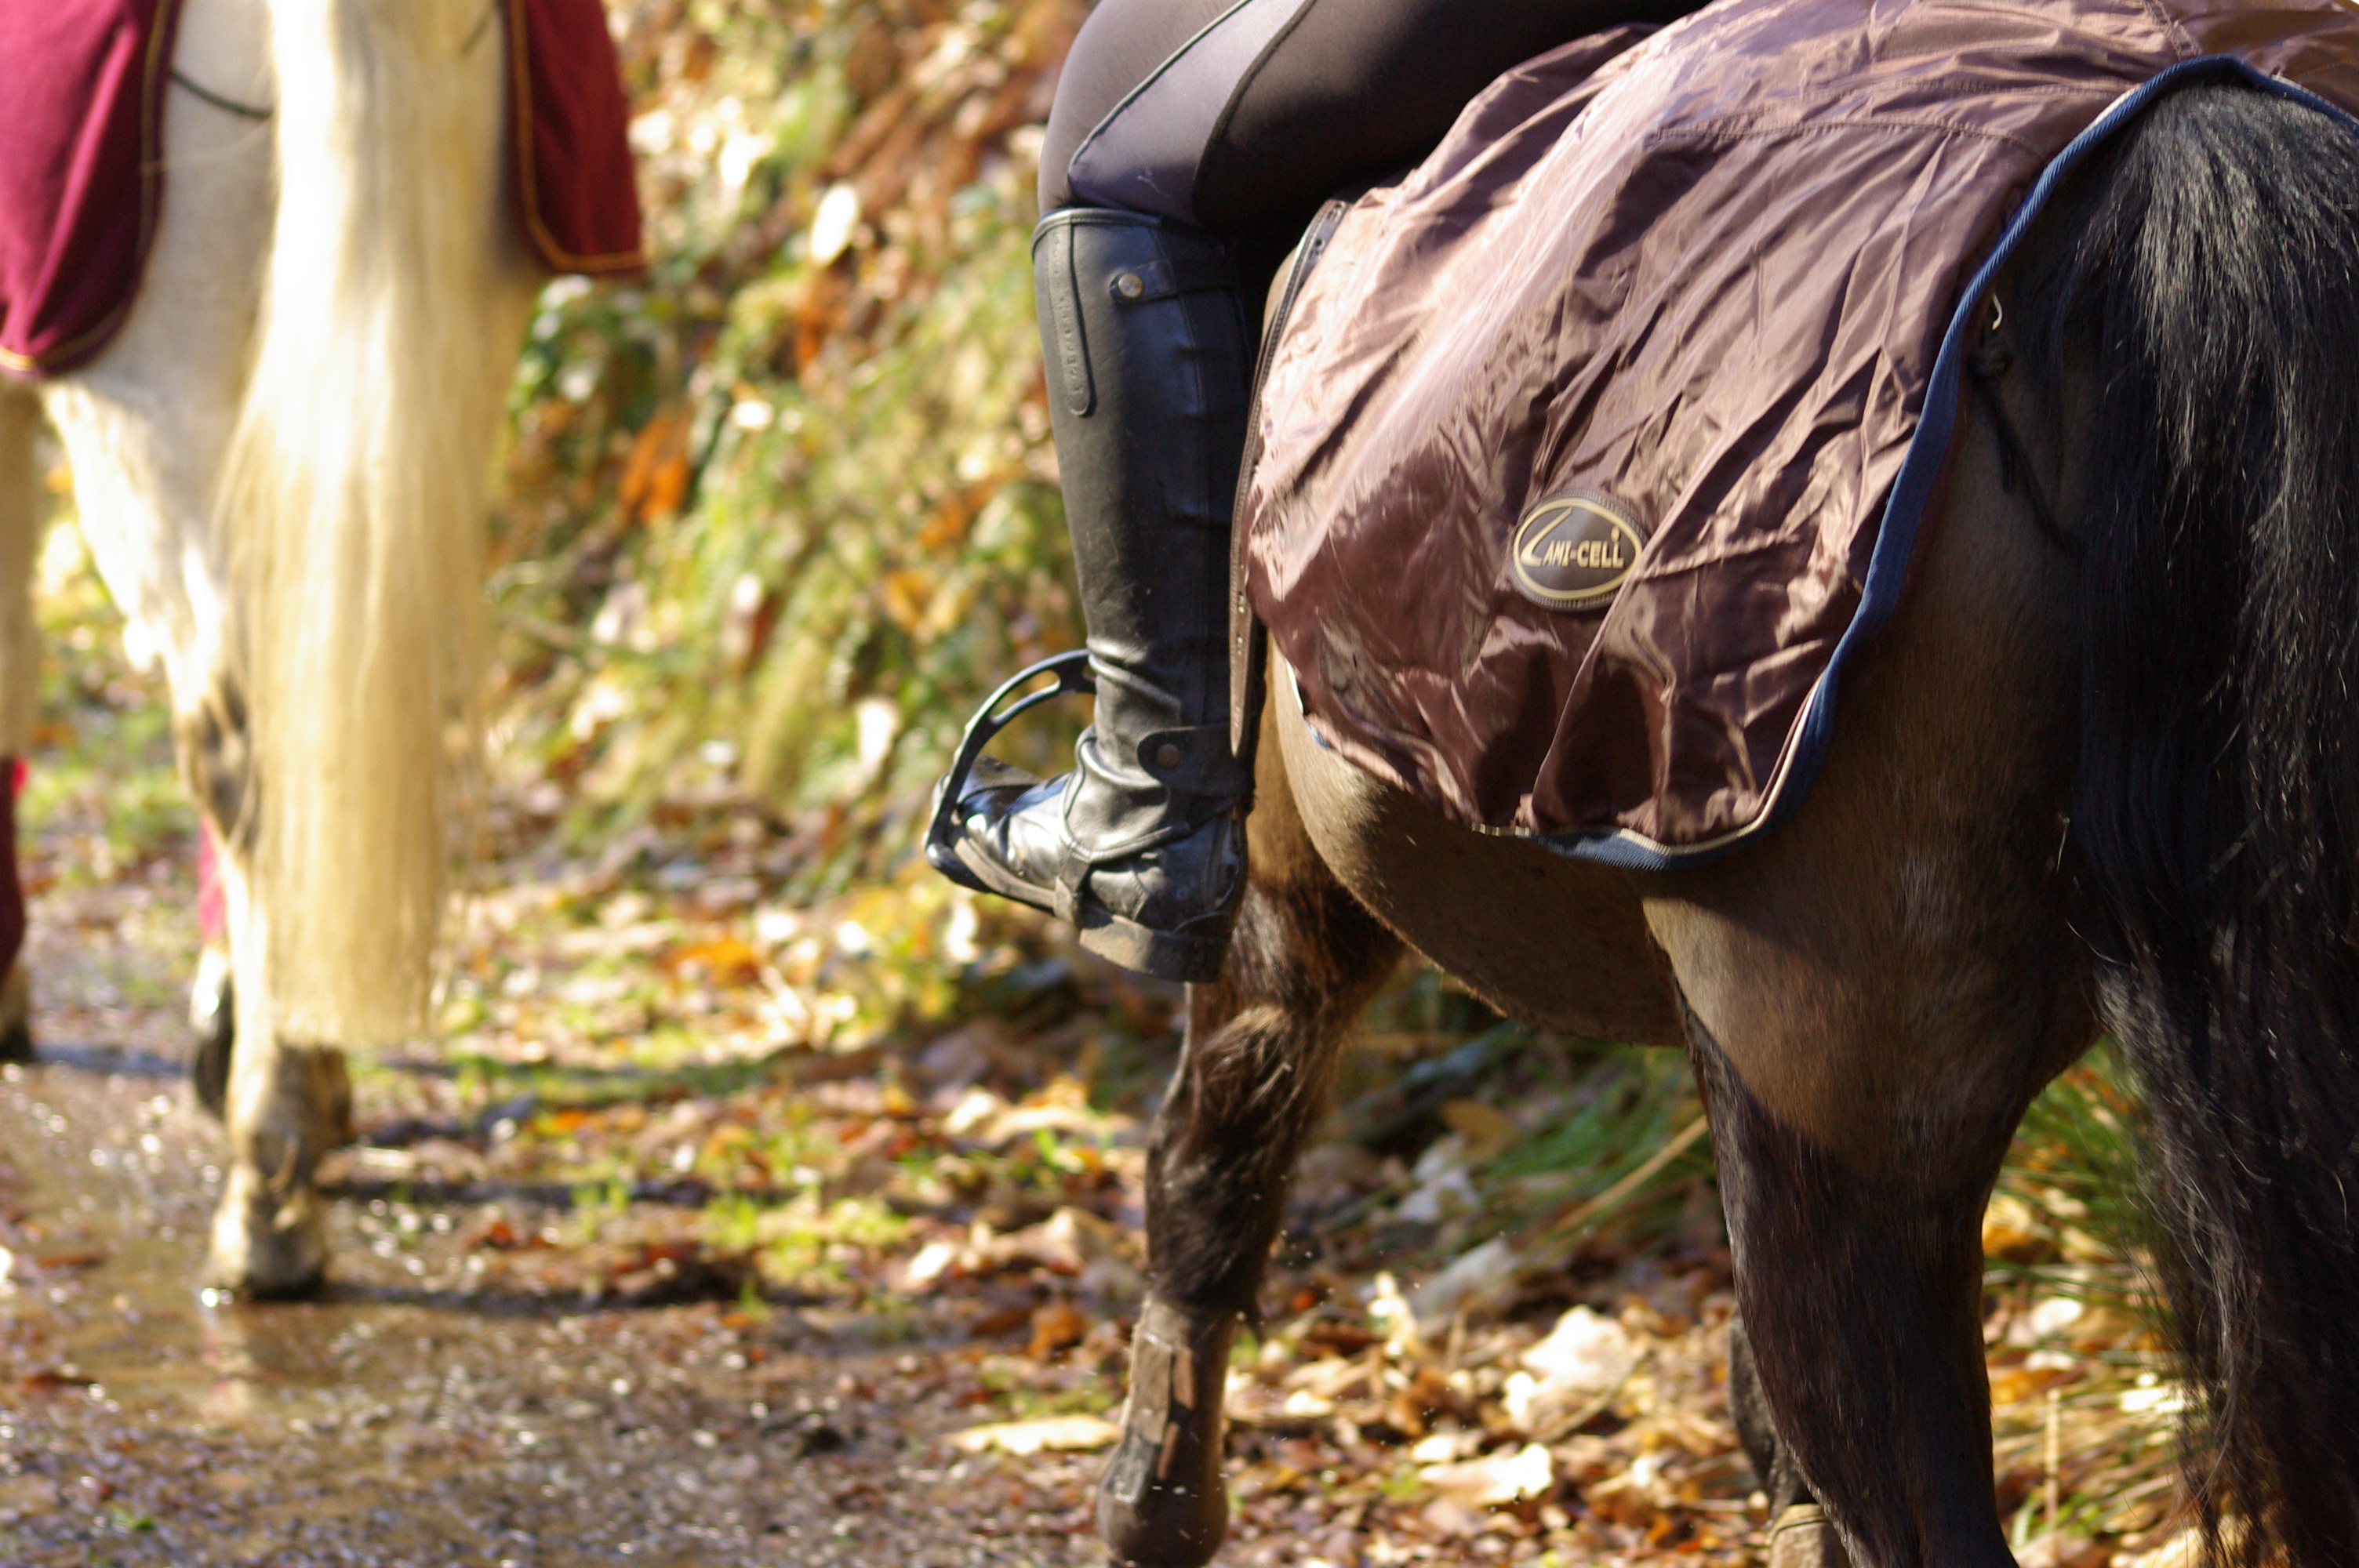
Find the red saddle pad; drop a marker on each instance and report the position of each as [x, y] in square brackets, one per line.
[576, 194]
[85, 83]
[79, 182]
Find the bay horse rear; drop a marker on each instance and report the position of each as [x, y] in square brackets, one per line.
[2095, 773]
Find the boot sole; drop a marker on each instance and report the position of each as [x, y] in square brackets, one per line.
[1192, 960]
[1187, 959]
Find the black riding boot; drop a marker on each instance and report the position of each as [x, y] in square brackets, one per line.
[1141, 847]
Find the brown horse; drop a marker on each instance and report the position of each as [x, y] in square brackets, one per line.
[1997, 861]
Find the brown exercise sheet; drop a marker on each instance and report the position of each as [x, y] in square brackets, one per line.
[1593, 447]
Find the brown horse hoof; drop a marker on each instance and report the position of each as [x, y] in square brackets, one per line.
[1162, 1502]
[1803, 1539]
[17, 1015]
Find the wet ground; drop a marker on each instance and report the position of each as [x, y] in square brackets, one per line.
[412, 1414]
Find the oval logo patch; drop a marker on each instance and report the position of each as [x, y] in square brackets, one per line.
[1574, 548]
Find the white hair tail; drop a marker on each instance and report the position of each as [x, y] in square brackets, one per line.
[354, 491]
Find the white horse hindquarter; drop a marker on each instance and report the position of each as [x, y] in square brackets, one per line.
[145, 424]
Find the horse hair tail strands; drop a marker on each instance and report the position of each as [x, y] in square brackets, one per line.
[353, 497]
[2206, 303]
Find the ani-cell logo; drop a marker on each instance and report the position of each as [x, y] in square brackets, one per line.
[1574, 549]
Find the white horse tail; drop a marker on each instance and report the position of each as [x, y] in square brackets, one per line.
[354, 494]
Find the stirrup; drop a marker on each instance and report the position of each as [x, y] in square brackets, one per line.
[1073, 679]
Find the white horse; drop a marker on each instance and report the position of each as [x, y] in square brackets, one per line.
[281, 464]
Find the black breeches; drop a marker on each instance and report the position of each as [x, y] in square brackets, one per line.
[1240, 116]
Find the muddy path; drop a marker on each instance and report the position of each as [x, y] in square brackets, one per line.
[726, 1225]
[412, 1415]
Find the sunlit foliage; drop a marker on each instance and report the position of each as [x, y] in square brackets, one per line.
[781, 512]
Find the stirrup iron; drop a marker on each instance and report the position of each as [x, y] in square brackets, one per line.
[1073, 679]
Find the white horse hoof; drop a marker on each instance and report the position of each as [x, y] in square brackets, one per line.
[270, 1235]
[266, 1244]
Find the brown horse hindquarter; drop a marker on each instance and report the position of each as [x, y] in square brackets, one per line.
[1873, 992]
[1897, 957]
[1870, 952]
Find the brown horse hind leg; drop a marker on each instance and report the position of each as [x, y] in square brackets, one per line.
[1800, 1535]
[1262, 1043]
[1873, 995]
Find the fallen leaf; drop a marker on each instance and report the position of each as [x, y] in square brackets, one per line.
[2184, 1550]
[1674, 1427]
[498, 1235]
[932, 1261]
[906, 596]
[1390, 1311]
[1486, 1129]
[1583, 1360]
[1448, 1517]
[1445, 1447]
[1412, 1410]
[655, 478]
[1070, 1242]
[88, 1258]
[724, 960]
[1635, 1497]
[2011, 1231]
[1477, 1280]
[1052, 1435]
[2064, 1550]
[992, 1325]
[1587, 1459]
[1586, 1352]
[1056, 1327]
[1495, 1478]
[2015, 1384]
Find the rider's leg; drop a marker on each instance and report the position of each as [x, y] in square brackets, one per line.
[1244, 117]
[1149, 352]
[1177, 124]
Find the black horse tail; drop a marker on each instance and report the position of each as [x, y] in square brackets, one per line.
[2201, 307]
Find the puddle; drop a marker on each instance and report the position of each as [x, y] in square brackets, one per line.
[404, 1418]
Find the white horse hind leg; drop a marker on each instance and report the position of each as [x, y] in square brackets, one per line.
[147, 425]
[20, 523]
[286, 1106]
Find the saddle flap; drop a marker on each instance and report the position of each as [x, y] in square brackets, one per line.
[1248, 642]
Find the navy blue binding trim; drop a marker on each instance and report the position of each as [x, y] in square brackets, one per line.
[1887, 566]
